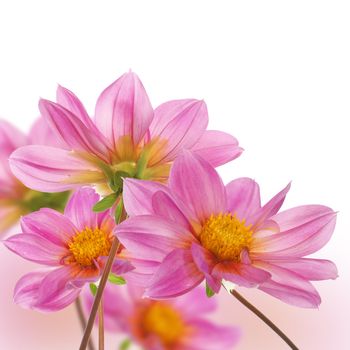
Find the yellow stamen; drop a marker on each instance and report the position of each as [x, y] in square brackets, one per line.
[162, 320]
[89, 244]
[225, 236]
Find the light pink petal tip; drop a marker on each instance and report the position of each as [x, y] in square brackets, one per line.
[10, 138]
[217, 147]
[124, 109]
[50, 169]
[180, 123]
[197, 184]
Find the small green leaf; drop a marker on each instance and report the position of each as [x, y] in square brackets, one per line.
[119, 211]
[116, 279]
[105, 202]
[93, 289]
[125, 344]
[209, 291]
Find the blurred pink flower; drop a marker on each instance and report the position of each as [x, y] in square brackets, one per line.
[127, 135]
[15, 198]
[198, 228]
[75, 243]
[176, 324]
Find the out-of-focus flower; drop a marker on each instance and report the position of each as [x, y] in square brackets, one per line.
[198, 228]
[15, 198]
[127, 137]
[75, 244]
[176, 324]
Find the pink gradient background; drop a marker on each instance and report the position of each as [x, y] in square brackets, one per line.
[275, 74]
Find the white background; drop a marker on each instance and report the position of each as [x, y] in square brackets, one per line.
[276, 74]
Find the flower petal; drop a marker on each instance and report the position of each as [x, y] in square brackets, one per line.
[209, 336]
[217, 147]
[245, 275]
[197, 184]
[49, 224]
[124, 109]
[10, 138]
[137, 196]
[73, 131]
[29, 287]
[298, 241]
[79, 208]
[35, 248]
[151, 237]
[176, 275]
[243, 197]
[50, 169]
[180, 123]
[289, 287]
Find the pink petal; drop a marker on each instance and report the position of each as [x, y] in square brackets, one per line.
[124, 109]
[151, 237]
[176, 275]
[298, 241]
[79, 208]
[289, 287]
[217, 147]
[164, 205]
[309, 269]
[49, 224]
[205, 262]
[197, 184]
[243, 197]
[28, 289]
[209, 336]
[137, 196]
[73, 131]
[269, 209]
[180, 123]
[245, 275]
[50, 169]
[10, 138]
[36, 248]
[41, 134]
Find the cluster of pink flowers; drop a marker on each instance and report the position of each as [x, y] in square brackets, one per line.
[155, 170]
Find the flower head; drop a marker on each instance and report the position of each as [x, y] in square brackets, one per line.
[74, 245]
[127, 136]
[15, 198]
[179, 323]
[197, 229]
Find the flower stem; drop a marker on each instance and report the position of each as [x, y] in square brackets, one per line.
[99, 293]
[258, 313]
[101, 334]
[82, 320]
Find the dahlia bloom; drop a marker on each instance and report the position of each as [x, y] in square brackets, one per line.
[75, 246]
[126, 136]
[15, 198]
[176, 324]
[200, 229]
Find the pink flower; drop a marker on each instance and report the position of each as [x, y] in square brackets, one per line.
[15, 198]
[127, 135]
[176, 324]
[74, 245]
[200, 229]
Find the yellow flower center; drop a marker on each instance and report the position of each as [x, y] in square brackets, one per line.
[88, 245]
[225, 236]
[164, 321]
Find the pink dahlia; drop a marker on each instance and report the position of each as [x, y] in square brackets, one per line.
[176, 324]
[15, 198]
[74, 246]
[127, 136]
[200, 229]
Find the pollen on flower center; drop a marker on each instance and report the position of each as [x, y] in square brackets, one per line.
[89, 244]
[225, 236]
[163, 321]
